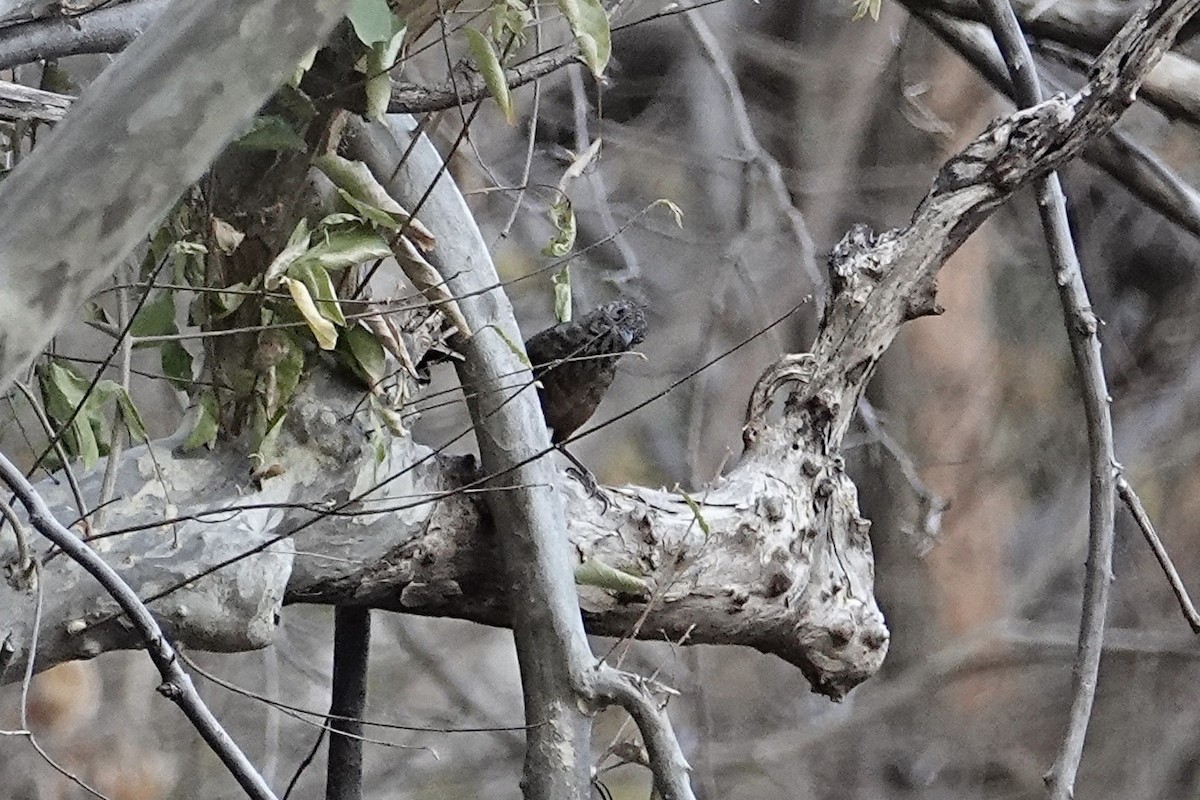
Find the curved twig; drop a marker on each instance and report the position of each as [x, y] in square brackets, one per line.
[1082, 332]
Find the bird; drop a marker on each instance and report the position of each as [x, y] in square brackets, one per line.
[575, 363]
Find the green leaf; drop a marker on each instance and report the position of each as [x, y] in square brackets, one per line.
[320, 286]
[129, 413]
[204, 431]
[339, 218]
[373, 21]
[488, 63]
[562, 294]
[272, 133]
[63, 391]
[589, 25]
[369, 197]
[322, 328]
[156, 317]
[370, 213]
[226, 302]
[379, 63]
[517, 351]
[695, 507]
[382, 32]
[594, 572]
[562, 216]
[348, 247]
[288, 371]
[176, 364]
[296, 246]
[368, 355]
[510, 19]
[357, 180]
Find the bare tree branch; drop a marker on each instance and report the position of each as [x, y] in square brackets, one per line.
[1118, 154]
[177, 685]
[105, 30]
[1082, 332]
[1138, 511]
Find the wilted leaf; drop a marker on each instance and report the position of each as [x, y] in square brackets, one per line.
[864, 7]
[272, 133]
[228, 237]
[488, 63]
[562, 216]
[296, 246]
[320, 287]
[388, 336]
[322, 328]
[430, 283]
[562, 294]
[204, 431]
[671, 206]
[589, 25]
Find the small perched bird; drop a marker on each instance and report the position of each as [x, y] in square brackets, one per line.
[576, 362]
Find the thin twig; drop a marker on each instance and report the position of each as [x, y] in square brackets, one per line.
[666, 758]
[1082, 327]
[25, 563]
[531, 142]
[1129, 497]
[177, 685]
[116, 443]
[27, 682]
[752, 149]
[60, 451]
[930, 506]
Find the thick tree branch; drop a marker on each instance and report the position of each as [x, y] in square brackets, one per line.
[177, 685]
[1117, 153]
[105, 30]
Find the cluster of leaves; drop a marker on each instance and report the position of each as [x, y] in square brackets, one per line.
[310, 282]
[506, 33]
[382, 33]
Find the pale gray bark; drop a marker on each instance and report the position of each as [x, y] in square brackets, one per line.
[143, 132]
